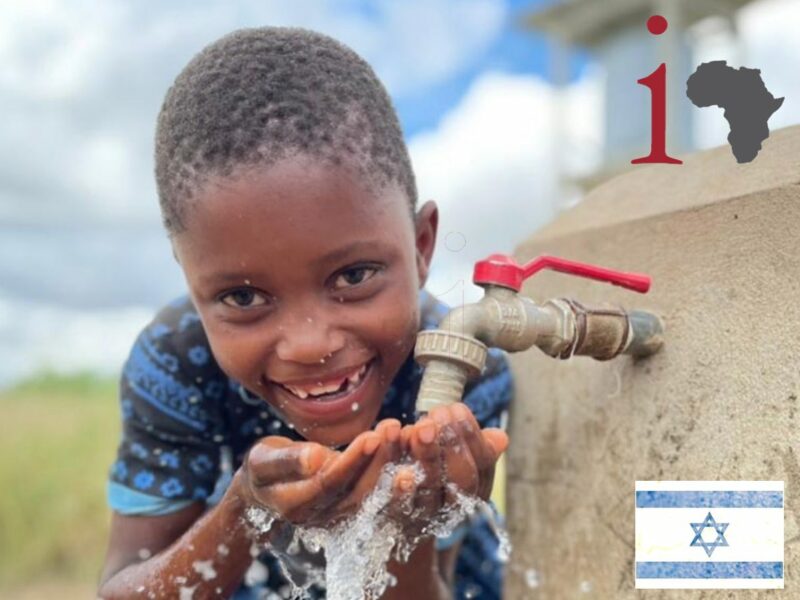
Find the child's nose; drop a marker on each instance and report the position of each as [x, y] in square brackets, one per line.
[308, 340]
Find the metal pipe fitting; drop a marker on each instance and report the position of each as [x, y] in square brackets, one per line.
[562, 328]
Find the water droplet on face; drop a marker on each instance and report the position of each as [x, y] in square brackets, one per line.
[309, 319]
[247, 282]
[322, 361]
[354, 407]
[144, 553]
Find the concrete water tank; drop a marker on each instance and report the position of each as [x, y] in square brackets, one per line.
[719, 402]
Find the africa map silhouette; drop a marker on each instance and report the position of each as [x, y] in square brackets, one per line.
[747, 103]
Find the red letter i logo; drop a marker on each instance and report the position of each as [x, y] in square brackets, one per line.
[657, 82]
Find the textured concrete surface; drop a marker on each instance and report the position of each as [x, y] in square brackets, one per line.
[720, 401]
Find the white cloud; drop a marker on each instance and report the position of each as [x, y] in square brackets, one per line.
[421, 42]
[35, 336]
[491, 166]
[85, 80]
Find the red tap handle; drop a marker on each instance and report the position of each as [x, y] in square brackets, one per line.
[500, 269]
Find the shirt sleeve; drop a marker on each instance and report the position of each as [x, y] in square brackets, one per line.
[169, 392]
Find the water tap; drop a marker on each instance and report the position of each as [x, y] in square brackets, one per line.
[561, 328]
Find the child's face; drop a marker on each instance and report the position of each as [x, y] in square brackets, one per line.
[307, 283]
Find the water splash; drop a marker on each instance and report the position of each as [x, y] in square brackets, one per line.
[505, 547]
[259, 519]
[362, 545]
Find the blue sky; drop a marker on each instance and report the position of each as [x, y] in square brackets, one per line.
[512, 50]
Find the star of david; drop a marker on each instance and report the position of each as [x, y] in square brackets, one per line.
[698, 540]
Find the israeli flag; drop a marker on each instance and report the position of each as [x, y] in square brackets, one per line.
[709, 534]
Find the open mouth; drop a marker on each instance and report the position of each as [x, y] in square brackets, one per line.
[329, 391]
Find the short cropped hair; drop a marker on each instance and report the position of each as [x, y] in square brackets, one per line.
[256, 96]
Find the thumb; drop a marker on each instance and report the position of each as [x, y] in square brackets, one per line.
[497, 439]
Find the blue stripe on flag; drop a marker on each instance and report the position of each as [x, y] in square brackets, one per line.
[709, 570]
[709, 499]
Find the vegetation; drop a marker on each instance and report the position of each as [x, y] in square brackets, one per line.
[58, 436]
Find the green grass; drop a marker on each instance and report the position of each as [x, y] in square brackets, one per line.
[58, 436]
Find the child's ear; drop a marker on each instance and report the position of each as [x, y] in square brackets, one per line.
[174, 254]
[426, 223]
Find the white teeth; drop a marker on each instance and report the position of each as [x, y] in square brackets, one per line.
[298, 392]
[355, 377]
[320, 389]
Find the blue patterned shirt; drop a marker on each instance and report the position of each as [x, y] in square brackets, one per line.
[186, 426]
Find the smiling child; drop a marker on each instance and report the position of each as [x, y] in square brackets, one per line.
[288, 196]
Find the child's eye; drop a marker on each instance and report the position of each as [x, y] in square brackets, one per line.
[243, 298]
[353, 276]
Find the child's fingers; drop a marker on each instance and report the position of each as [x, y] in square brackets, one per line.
[389, 451]
[403, 490]
[458, 462]
[482, 451]
[299, 499]
[276, 459]
[405, 438]
[425, 450]
[497, 438]
[338, 477]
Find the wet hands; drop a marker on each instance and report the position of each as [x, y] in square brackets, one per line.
[309, 484]
[454, 454]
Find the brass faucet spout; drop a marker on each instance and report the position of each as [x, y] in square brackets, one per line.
[561, 328]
